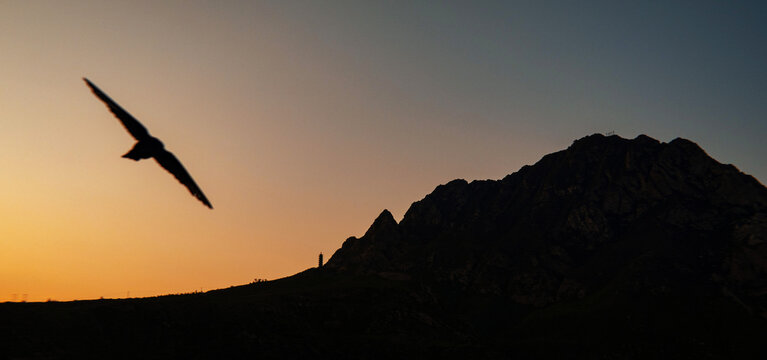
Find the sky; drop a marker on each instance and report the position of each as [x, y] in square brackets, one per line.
[302, 120]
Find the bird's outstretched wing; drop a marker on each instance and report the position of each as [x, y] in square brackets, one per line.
[131, 124]
[168, 161]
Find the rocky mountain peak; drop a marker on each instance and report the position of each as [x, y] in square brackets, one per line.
[384, 223]
[566, 226]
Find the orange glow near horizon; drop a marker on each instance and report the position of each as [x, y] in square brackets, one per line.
[79, 222]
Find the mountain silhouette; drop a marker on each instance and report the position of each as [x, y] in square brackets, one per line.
[659, 214]
[148, 146]
[611, 248]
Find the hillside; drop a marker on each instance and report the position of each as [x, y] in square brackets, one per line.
[660, 214]
[611, 248]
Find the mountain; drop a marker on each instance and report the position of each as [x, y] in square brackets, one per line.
[611, 248]
[634, 234]
[661, 214]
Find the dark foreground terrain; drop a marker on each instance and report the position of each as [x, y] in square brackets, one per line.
[612, 248]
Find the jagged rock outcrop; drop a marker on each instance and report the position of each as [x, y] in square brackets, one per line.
[635, 216]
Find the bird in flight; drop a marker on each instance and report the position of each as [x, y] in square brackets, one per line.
[148, 146]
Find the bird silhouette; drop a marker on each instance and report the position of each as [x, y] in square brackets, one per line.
[148, 146]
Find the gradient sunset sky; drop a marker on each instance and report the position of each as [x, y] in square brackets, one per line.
[303, 120]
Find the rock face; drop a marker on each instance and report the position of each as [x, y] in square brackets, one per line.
[631, 218]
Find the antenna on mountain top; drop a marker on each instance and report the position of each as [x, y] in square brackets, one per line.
[320, 265]
[611, 133]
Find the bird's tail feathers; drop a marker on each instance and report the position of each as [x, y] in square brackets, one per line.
[133, 154]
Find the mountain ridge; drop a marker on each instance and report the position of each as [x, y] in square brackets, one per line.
[570, 213]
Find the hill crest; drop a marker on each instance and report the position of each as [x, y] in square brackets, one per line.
[562, 228]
